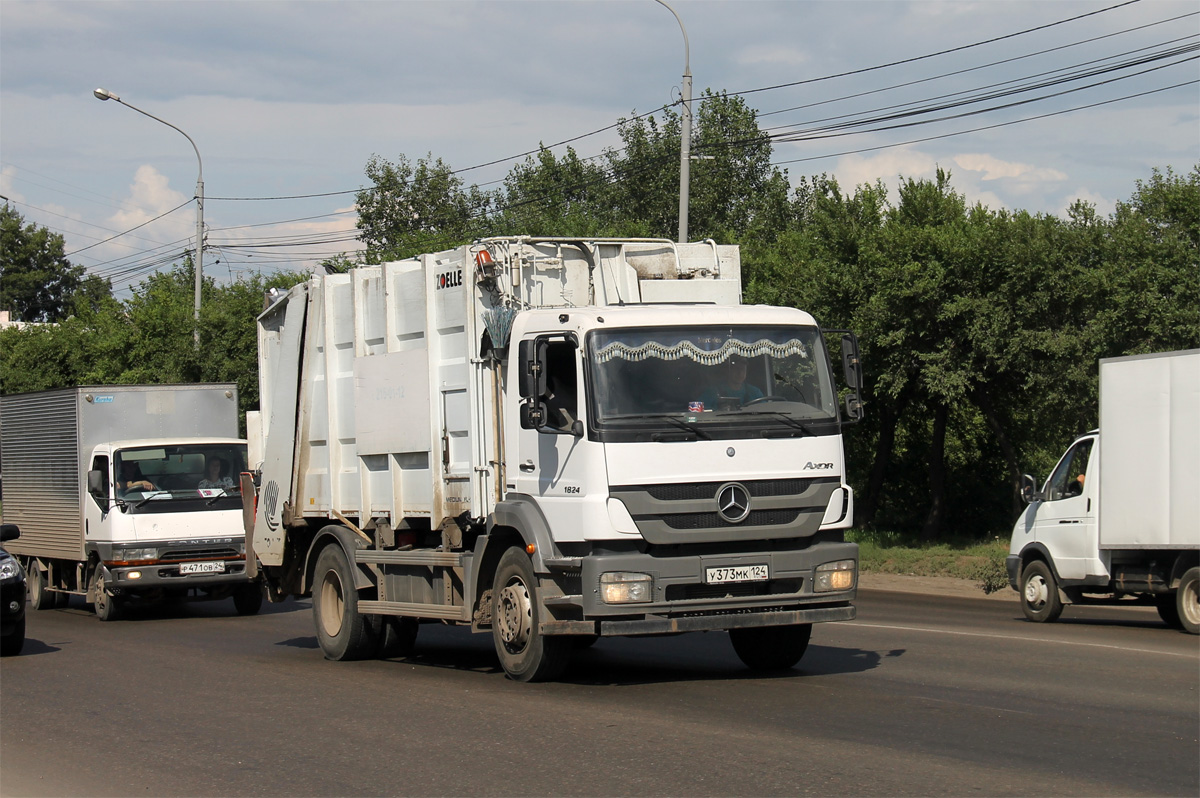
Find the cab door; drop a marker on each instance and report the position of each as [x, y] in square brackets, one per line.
[1066, 517]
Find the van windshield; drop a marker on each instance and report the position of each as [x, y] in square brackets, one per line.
[713, 382]
[201, 475]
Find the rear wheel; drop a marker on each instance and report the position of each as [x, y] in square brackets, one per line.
[1039, 593]
[1168, 609]
[771, 648]
[1187, 601]
[39, 597]
[248, 600]
[343, 632]
[525, 653]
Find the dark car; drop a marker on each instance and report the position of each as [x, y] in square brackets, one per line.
[12, 596]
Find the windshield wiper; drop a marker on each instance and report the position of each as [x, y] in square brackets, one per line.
[224, 492]
[785, 418]
[678, 422]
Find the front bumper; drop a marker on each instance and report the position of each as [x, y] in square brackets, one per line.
[1012, 563]
[682, 601]
[12, 604]
[167, 575]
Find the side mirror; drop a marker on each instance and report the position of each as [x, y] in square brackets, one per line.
[96, 486]
[531, 381]
[854, 407]
[851, 364]
[9, 532]
[1029, 491]
[533, 414]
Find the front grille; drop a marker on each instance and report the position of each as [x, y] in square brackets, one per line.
[708, 490]
[739, 590]
[712, 520]
[221, 553]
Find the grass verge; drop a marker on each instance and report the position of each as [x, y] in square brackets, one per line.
[979, 561]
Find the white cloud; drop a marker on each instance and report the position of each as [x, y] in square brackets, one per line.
[1104, 206]
[996, 169]
[776, 56]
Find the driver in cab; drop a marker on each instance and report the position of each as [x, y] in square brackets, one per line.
[731, 390]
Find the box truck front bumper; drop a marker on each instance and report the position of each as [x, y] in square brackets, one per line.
[169, 575]
[698, 592]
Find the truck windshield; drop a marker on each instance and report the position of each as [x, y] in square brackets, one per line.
[199, 476]
[711, 382]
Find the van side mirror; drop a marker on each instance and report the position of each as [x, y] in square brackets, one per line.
[9, 532]
[1029, 491]
[96, 486]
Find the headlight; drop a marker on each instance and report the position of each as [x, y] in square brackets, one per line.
[10, 569]
[834, 576]
[622, 587]
[131, 555]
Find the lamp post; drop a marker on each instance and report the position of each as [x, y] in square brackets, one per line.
[685, 139]
[105, 94]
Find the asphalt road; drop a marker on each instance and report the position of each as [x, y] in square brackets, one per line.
[922, 695]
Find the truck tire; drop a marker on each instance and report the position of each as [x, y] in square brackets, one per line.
[397, 637]
[1167, 605]
[525, 653]
[248, 600]
[1187, 601]
[107, 607]
[771, 648]
[343, 632]
[39, 597]
[1039, 593]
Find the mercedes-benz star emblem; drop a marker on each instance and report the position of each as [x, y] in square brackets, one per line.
[733, 502]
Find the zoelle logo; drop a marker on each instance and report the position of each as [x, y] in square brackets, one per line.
[270, 499]
[450, 279]
[810, 466]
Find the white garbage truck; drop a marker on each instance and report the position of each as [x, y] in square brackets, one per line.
[1119, 517]
[553, 441]
[127, 493]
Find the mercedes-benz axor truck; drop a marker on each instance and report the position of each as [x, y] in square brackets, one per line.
[553, 441]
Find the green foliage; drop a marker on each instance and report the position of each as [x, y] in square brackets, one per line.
[37, 282]
[896, 553]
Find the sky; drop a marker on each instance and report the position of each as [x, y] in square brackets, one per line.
[286, 100]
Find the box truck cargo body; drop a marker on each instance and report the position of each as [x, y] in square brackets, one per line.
[126, 492]
[553, 440]
[1119, 515]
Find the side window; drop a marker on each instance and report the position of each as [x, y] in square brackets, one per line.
[562, 388]
[100, 463]
[1067, 480]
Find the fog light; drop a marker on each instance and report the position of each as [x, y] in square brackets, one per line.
[134, 575]
[13, 606]
[834, 576]
[622, 587]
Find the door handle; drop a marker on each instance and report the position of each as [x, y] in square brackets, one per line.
[528, 466]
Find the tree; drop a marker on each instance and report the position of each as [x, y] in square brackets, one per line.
[37, 282]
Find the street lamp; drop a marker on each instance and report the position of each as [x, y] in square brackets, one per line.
[105, 94]
[685, 139]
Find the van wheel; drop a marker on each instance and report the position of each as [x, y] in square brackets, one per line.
[248, 600]
[771, 648]
[1039, 593]
[343, 632]
[39, 597]
[1187, 601]
[525, 653]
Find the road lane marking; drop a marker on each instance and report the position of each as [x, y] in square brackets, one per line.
[1025, 639]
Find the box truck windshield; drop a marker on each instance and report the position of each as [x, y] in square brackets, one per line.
[721, 380]
[179, 478]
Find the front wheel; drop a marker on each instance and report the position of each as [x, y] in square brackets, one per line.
[248, 600]
[525, 653]
[108, 607]
[1039, 593]
[1187, 601]
[771, 648]
[343, 632]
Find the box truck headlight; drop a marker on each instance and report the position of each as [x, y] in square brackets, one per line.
[132, 555]
[623, 587]
[834, 576]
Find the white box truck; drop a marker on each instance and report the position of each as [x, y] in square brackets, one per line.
[1120, 514]
[553, 440]
[127, 492]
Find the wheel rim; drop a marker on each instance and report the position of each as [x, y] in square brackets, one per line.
[1035, 592]
[1191, 602]
[333, 603]
[515, 615]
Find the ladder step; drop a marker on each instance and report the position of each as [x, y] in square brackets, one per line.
[445, 612]
[445, 559]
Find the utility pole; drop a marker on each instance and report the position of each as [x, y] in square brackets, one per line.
[685, 138]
